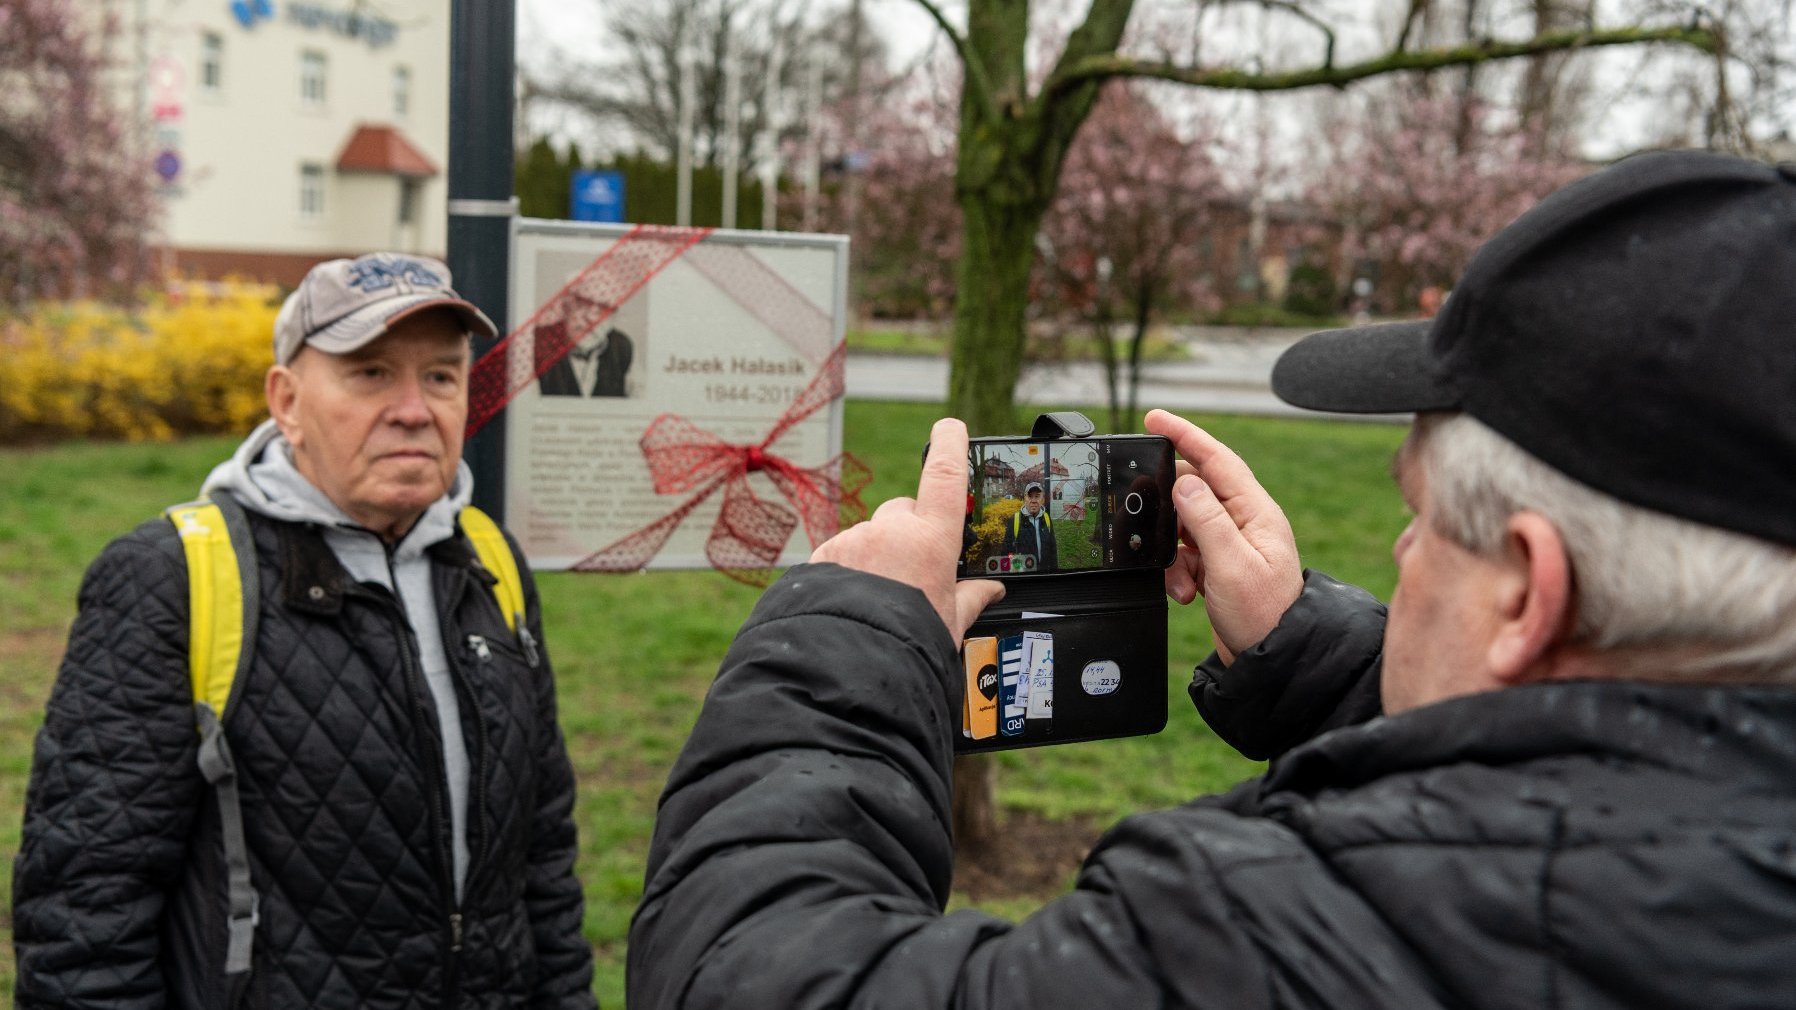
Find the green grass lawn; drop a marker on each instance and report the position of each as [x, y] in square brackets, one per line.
[1076, 345]
[1076, 540]
[635, 653]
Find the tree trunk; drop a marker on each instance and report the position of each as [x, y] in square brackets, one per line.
[974, 815]
[1008, 167]
[1101, 332]
[1144, 312]
[990, 313]
[990, 317]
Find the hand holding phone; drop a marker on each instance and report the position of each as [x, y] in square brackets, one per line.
[1080, 530]
[914, 540]
[1242, 557]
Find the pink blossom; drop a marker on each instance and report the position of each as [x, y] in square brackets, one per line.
[75, 205]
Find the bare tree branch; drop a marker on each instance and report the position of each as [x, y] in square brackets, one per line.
[1328, 53]
[1416, 9]
[1296, 10]
[1234, 79]
[976, 81]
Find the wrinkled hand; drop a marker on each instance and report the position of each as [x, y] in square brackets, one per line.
[1238, 551]
[917, 542]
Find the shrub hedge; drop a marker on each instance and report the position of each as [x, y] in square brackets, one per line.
[188, 361]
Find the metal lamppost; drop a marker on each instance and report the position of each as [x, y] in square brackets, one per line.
[482, 37]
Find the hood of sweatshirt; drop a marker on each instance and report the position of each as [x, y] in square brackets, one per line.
[261, 475]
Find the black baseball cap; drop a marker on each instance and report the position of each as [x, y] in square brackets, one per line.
[1635, 330]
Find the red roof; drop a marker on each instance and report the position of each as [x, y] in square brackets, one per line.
[383, 149]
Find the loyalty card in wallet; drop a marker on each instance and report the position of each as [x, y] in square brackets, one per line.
[979, 712]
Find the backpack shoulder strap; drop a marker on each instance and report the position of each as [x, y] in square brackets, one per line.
[224, 602]
[495, 555]
[223, 595]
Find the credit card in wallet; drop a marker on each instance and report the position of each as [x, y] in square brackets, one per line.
[1013, 696]
[1038, 672]
[980, 712]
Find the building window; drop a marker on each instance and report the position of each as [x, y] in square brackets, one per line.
[311, 191]
[211, 61]
[408, 201]
[311, 78]
[402, 92]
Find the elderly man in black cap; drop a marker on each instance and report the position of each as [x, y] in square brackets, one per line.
[1558, 771]
[370, 804]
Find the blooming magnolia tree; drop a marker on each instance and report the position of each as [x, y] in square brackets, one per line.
[75, 204]
[906, 227]
[1417, 195]
[1125, 234]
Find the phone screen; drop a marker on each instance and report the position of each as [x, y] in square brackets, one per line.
[1042, 507]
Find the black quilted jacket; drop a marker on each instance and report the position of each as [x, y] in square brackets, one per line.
[1614, 845]
[119, 888]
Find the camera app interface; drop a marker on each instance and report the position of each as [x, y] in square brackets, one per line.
[1045, 507]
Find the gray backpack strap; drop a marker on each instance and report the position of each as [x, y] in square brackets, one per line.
[216, 765]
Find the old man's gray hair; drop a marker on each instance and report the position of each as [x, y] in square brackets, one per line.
[1710, 603]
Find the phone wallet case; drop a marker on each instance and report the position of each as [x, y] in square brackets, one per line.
[1065, 658]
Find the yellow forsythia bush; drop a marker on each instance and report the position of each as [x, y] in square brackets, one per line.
[990, 528]
[190, 361]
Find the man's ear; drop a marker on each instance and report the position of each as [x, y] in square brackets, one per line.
[280, 387]
[1535, 601]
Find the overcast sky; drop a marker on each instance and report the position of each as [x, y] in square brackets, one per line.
[1627, 121]
[543, 23]
[546, 26]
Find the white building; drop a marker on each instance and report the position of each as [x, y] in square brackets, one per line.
[289, 132]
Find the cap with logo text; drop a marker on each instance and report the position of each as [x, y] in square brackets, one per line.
[344, 304]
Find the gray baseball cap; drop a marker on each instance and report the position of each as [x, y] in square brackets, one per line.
[344, 304]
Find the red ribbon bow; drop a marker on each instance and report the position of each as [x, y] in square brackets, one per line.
[749, 533]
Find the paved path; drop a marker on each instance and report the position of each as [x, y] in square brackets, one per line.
[1228, 372]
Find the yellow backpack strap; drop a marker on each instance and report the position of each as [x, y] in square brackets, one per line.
[215, 595]
[495, 555]
[224, 603]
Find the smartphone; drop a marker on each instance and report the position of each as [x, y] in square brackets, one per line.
[1052, 506]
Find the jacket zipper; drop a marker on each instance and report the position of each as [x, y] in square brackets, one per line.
[439, 779]
[477, 751]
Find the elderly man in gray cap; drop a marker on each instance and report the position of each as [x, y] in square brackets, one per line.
[1029, 535]
[376, 808]
[1558, 771]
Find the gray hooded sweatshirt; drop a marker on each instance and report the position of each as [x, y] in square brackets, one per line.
[261, 475]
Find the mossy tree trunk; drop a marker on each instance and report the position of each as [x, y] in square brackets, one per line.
[1012, 146]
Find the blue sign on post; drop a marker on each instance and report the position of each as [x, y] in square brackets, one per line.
[168, 165]
[598, 196]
